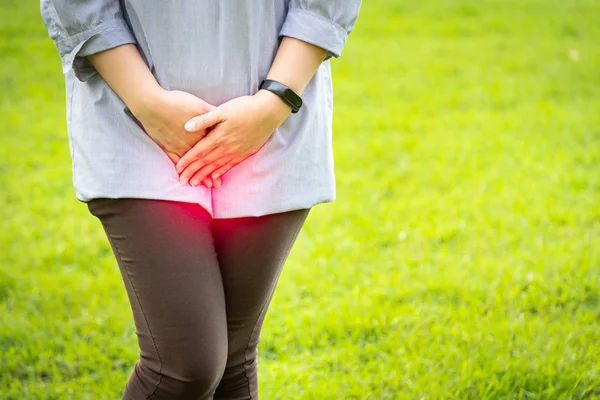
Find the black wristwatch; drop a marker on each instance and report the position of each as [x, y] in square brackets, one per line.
[288, 95]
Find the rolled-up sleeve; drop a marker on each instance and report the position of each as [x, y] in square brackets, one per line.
[323, 23]
[80, 28]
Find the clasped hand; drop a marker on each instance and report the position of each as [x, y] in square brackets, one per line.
[235, 130]
[215, 138]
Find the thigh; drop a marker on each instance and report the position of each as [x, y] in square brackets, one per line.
[167, 257]
[251, 253]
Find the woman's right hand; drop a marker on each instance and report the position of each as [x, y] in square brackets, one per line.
[163, 115]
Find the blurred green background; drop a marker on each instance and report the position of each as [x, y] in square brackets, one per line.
[461, 259]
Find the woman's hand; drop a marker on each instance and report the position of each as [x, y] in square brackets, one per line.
[241, 127]
[163, 116]
[162, 113]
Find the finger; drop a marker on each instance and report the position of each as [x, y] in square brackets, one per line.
[191, 169]
[199, 163]
[204, 172]
[204, 121]
[196, 165]
[223, 169]
[217, 182]
[200, 150]
[207, 182]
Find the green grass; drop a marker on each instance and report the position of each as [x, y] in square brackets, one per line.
[461, 259]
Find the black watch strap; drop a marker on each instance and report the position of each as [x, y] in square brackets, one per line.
[288, 95]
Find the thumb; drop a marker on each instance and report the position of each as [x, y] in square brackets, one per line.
[204, 121]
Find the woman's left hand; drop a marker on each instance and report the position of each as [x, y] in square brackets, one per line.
[241, 127]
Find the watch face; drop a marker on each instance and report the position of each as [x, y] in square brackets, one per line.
[293, 98]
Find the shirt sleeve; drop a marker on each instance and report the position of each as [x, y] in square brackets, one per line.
[83, 27]
[323, 23]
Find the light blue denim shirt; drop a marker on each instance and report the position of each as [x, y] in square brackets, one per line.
[216, 50]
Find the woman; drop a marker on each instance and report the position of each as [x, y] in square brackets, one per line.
[201, 174]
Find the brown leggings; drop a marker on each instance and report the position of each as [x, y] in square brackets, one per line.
[199, 290]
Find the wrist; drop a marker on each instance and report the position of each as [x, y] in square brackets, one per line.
[272, 103]
[147, 100]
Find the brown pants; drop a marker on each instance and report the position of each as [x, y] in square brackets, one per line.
[199, 290]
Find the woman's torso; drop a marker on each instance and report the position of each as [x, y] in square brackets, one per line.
[216, 50]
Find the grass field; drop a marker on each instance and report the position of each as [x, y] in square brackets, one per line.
[461, 259]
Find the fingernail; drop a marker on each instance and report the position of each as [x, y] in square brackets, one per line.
[208, 183]
[194, 182]
[190, 126]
